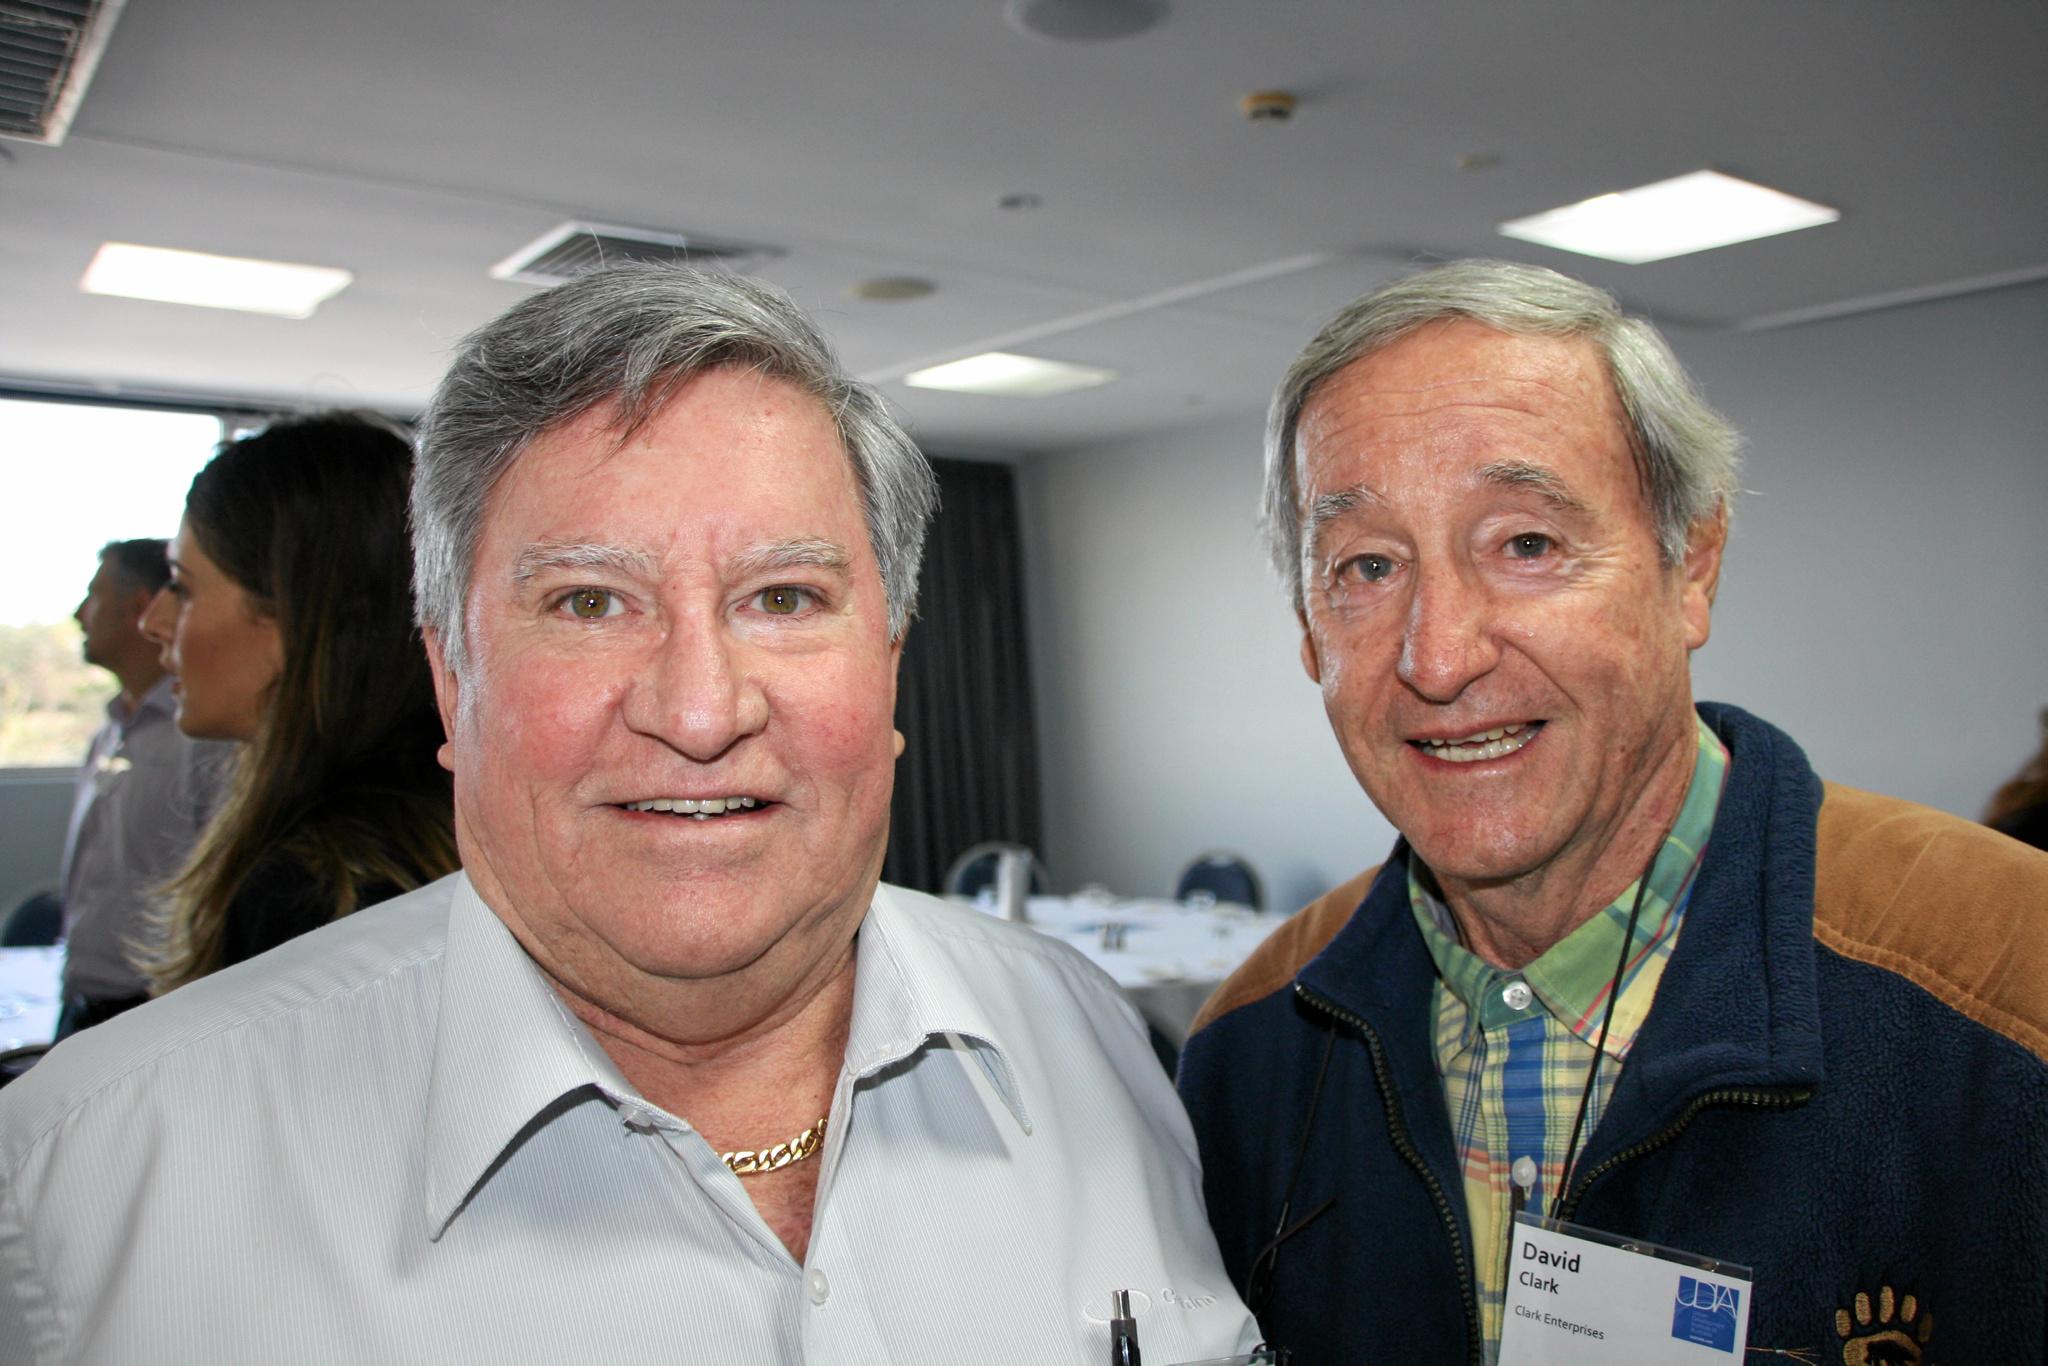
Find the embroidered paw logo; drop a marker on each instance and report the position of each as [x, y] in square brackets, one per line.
[1892, 1332]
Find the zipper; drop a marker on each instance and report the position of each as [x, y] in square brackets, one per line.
[1398, 1131]
[1785, 1099]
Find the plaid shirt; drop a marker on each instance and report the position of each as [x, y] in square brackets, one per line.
[1513, 1048]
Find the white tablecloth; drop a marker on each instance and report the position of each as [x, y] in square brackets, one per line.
[31, 990]
[1172, 955]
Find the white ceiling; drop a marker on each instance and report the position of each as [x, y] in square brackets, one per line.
[417, 142]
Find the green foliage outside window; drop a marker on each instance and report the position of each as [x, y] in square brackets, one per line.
[51, 700]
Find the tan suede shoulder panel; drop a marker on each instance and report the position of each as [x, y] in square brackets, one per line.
[1953, 907]
[1272, 965]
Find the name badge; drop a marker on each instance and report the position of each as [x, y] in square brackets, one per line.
[1580, 1297]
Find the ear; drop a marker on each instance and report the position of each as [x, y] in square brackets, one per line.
[898, 742]
[1311, 662]
[1702, 571]
[447, 695]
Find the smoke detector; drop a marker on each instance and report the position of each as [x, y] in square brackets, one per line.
[1267, 106]
[577, 248]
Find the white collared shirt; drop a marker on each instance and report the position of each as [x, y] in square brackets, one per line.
[390, 1141]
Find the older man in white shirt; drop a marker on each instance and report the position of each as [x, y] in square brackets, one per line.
[665, 1074]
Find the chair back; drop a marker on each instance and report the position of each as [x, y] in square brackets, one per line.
[1224, 876]
[975, 870]
[16, 1061]
[35, 923]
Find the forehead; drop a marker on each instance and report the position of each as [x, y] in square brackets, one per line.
[1459, 392]
[729, 451]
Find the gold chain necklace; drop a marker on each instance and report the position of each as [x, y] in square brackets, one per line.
[776, 1158]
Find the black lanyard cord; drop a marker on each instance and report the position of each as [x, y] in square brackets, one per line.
[1628, 942]
[1259, 1282]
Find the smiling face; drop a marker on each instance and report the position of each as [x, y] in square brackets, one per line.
[674, 750]
[213, 634]
[1502, 652]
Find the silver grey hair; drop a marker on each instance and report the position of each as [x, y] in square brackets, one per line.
[1686, 453]
[628, 336]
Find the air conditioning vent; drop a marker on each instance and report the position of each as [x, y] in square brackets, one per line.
[48, 50]
[576, 249]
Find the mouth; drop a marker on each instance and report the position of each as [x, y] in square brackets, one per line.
[1495, 743]
[699, 808]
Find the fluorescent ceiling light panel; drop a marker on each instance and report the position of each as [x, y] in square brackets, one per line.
[194, 277]
[1001, 372]
[1691, 213]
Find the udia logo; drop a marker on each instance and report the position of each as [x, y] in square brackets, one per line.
[1704, 1313]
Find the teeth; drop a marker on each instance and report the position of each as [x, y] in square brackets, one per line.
[694, 806]
[1481, 746]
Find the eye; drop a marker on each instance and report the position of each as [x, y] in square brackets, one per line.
[591, 604]
[783, 600]
[1371, 568]
[1528, 546]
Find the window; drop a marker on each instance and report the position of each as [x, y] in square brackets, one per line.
[75, 475]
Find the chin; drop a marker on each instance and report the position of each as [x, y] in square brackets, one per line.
[1490, 858]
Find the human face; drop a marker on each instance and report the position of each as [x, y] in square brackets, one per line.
[693, 617]
[217, 638]
[1479, 560]
[108, 615]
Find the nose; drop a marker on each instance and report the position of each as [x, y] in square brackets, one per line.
[1448, 638]
[700, 696]
[157, 618]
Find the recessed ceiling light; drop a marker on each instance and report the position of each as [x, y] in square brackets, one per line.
[196, 277]
[1001, 372]
[1083, 21]
[1690, 213]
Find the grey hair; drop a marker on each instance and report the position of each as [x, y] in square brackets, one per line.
[1686, 453]
[629, 335]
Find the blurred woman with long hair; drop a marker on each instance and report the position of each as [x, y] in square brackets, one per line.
[288, 624]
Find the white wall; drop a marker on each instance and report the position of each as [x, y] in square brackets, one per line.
[1883, 600]
[1173, 713]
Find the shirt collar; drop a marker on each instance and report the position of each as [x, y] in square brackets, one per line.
[506, 1048]
[1571, 978]
[158, 700]
[907, 992]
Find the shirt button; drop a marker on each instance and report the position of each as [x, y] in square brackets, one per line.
[1516, 995]
[817, 1286]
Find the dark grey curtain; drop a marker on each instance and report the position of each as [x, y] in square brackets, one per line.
[963, 699]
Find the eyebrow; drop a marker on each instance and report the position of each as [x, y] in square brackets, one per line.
[542, 556]
[803, 553]
[1326, 508]
[1545, 482]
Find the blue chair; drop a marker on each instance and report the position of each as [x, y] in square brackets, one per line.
[16, 1061]
[975, 871]
[36, 922]
[1223, 875]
